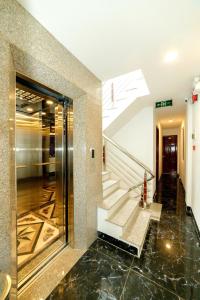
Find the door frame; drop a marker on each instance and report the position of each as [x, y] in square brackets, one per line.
[177, 149]
[67, 168]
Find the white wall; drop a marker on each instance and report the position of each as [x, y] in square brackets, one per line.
[170, 131]
[195, 186]
[138, 137]
[182, 152]
[189, 155]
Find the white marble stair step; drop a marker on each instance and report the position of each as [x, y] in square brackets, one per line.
[136, 196]
[136, 232]
[108, 183]
[122, 215]
[155, 210]
[105, 172]
[105, 175]
[113, 198]
[109, 186]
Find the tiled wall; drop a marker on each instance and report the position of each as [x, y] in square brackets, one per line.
[26, 47]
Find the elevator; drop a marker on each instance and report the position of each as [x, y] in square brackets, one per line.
[44, 171]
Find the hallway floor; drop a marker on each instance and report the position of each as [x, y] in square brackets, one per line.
[169, 267]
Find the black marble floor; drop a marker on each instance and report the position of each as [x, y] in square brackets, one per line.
[169, 267]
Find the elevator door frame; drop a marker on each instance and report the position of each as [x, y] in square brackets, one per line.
[67, 104]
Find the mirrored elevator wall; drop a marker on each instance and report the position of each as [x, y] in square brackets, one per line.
[44, 136]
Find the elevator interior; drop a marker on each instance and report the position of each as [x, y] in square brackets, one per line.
[44, 125]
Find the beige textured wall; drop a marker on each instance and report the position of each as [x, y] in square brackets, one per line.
[23, 31]
[26, 47]
[7, 162]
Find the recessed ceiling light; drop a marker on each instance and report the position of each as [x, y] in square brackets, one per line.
[168, 246]
[170, 56]
[50, 102]
[170, 121]
[29, 109]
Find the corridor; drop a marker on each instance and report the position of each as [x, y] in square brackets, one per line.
[169, 267]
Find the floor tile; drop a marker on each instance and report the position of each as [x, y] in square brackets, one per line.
[140, 288]
[173, 268]
[116, 253]
[171, 255]
[95, 276]
[169, 266]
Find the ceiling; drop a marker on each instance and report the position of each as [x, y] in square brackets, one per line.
[118, 36]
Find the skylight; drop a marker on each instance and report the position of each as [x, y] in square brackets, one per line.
[124, 88]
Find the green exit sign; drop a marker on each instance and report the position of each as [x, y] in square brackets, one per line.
[164, 103]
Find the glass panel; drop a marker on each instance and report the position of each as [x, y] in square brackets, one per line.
[40, 159]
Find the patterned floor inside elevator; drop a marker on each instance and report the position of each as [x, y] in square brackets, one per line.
[37, 230]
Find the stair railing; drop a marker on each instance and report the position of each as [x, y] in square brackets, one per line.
[115, 162]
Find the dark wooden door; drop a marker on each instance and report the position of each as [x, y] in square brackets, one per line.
[170, 154]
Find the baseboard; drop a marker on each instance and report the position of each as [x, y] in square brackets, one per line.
[119, 244]
[190, 213]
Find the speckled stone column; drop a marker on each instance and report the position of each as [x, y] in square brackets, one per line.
[7, 162]
[28, 48]
[87, 170]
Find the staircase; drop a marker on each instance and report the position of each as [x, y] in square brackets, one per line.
[120, 214]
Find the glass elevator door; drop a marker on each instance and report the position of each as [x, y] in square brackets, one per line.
[41, 156]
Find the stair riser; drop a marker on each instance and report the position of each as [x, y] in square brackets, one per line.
[117, 205]
[110, 189]
[137, 198]
[107, 227]
[105, 177]
[133, 194]
[136, 232]
[140, 248]
[131, 218]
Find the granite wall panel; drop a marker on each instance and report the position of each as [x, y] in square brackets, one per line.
[26, 47]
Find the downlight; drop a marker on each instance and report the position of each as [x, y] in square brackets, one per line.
[29, 109]
[49, 102]
[171, 57]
